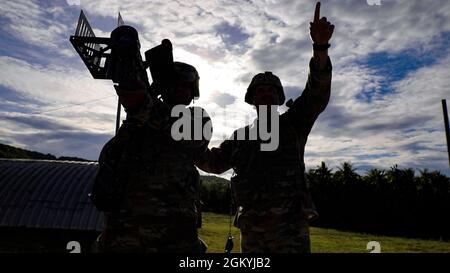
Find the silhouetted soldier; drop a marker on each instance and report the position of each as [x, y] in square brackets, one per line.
[269, 186]
[154, 175]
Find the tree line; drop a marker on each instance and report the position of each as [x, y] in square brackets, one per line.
[7, 151]
[391, 202]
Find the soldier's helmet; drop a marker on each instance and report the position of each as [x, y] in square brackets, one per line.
[266, 78]
[187, 73]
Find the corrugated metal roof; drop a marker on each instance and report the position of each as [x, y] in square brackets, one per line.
[48, 194]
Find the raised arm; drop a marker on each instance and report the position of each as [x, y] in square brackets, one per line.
[320, 31]
[142, 108]
[314, 99]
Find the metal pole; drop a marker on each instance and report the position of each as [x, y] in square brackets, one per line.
[447, 129]
[119, 108]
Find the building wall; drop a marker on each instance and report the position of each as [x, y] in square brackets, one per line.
[26, 240]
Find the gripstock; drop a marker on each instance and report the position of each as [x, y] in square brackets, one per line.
[118, 57]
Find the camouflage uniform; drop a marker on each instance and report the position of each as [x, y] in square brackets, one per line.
[159, 210]
[269, 186]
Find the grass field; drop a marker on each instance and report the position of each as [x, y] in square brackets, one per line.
[215, 231]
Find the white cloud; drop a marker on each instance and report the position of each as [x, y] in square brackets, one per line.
[62, 88]
[407, 123]
[32, 23]
[274, 37]
[73, 2]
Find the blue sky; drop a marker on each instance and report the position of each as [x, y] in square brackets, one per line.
[391, 69]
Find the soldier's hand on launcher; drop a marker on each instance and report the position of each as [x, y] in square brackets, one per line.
[320, 29]
[131, 99]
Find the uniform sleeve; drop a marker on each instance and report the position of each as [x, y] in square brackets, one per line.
[197, 143]
[217, 160]
[314, 99]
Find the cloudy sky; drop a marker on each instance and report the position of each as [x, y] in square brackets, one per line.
[391, 70]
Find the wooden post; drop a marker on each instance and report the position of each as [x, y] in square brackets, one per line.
[447, 130]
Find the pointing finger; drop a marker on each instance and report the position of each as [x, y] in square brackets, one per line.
[317, 12]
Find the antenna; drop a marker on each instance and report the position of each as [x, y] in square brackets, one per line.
[95, 52]
[95, 56]
[118, 57]
[120, 20]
